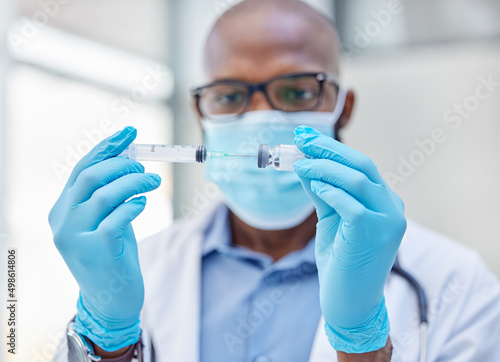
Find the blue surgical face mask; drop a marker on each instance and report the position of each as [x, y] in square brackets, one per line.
[262, 198]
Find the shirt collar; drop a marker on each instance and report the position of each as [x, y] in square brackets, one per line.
[218, 235]
[218, 239]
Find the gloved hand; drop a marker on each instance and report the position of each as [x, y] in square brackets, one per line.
[92, 231]
[360, 226]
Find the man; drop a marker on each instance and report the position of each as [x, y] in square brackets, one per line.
[294, 266]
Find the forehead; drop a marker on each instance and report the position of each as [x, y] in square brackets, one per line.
[258, 45]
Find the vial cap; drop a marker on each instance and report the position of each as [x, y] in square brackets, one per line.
[263, 156]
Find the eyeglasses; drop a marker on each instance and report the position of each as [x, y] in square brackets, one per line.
[228, 99]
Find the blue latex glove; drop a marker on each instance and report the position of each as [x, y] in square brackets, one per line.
[92, 231]
[360, 226]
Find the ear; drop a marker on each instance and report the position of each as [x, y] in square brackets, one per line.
[348, 107]
[346, 113]
[196, 108]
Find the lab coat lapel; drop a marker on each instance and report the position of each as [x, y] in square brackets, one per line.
[173, 300]
[188, 299]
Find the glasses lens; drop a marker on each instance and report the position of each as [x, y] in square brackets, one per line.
[223, 101]
[295, 93]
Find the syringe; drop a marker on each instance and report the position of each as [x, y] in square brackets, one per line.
[173, 153]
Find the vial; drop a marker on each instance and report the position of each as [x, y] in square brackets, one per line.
[281, 157]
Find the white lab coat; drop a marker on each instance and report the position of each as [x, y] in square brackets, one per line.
[463, 296]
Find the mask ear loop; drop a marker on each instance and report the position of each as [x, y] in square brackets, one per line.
[339, 107]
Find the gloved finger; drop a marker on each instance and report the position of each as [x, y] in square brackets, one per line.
[107, 198]
[344, 204]
[322, 208]
[115, 224]
[317, 145]
[109, 147]
[371, 195]
[396, 200]
[323, 247]
[99, 175]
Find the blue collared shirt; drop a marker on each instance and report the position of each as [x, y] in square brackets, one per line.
[254, 309]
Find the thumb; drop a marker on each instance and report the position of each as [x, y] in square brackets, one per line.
[118, 222]
[322, 208]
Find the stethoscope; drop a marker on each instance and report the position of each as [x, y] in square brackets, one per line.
[422, 305]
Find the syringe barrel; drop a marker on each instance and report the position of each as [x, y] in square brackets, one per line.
[166, 153]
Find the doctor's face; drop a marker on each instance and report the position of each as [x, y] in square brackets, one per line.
[256, 43]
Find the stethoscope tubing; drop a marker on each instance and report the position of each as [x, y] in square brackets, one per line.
[422, 305]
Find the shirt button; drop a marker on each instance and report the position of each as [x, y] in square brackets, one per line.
[262, 359]
[273, 278]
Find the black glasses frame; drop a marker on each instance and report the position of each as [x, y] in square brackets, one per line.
[321, 77]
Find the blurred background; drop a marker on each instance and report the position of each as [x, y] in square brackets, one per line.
[426, 75]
